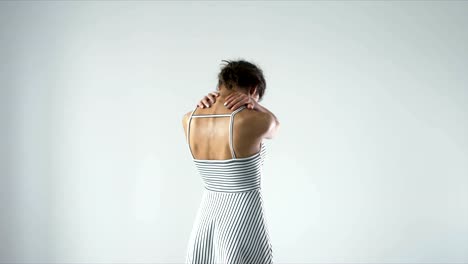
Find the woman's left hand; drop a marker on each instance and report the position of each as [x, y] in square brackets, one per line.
[237, 99]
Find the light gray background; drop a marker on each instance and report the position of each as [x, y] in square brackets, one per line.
[370, 163]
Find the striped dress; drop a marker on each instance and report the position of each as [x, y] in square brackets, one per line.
[230, 226]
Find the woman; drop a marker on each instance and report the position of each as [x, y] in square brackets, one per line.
[224, 135]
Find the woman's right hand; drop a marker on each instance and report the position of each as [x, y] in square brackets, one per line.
[208, 100]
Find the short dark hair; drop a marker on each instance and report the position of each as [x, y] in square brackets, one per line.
[242, 74]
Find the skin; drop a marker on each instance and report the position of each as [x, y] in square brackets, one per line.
[251, 125]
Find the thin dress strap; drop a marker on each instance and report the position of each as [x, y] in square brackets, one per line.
[188, 131]
[231, 126]
[231, 121]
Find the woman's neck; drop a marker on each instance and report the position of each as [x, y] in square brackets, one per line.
[223, 93]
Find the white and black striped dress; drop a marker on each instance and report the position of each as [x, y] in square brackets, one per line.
[230, 226]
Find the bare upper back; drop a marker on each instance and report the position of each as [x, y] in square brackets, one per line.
[209, 136]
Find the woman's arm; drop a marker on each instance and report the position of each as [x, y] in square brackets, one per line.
[270, 121]
[263, 109]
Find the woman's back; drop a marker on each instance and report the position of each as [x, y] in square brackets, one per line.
[217, 133]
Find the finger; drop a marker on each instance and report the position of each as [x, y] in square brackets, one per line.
[200, 104]
[237, 105]
[227, 98]
[205, 102]
[211, 98]
[215, 95]
[232, 95]
[236, 102]
[231, 100]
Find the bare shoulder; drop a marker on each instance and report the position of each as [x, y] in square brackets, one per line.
[186, 115]
[185, 118]
[258, 121]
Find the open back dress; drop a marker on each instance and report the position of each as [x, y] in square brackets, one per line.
[230, 226]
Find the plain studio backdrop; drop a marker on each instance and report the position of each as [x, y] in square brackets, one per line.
[370, 163]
